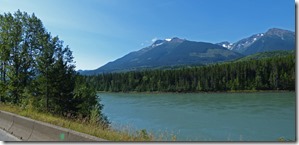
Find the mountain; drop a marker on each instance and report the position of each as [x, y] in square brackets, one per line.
[273, 39]
[267, 54]
[225, 44]
[242, 45]
[169, 52]
[176, 52]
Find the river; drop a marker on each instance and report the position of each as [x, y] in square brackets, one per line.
[264, 116]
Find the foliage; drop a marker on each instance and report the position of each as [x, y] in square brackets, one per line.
[276, 73]
[80, 125]
[38, 72]
[143, 133]
[282, 139]
[88, 104]
[267, 54]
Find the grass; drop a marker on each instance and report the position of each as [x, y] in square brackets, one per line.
[84, 126]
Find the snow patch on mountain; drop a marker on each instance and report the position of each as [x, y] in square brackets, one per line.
[155, 45]
[226, 44]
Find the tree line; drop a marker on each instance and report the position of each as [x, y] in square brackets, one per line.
[276, 73]
[37, 70]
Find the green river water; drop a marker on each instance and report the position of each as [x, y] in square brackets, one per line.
[263, 116]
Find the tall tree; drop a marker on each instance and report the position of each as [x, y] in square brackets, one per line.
[36, 66]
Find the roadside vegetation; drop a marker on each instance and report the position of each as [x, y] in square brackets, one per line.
[83, 125]
[38, 77]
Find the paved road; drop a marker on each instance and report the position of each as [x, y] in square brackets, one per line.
[4, 136]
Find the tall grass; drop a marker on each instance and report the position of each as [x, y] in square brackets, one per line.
[84, 126]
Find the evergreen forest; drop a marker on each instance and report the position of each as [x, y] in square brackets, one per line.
[274, 73]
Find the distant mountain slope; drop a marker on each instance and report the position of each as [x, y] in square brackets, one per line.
[273, 39]
[268, 54]
[172, 52]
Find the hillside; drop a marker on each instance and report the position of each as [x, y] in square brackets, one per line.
[169, 53]
[268, 54]
[273, 39]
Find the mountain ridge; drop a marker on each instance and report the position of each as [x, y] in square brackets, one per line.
[165, 53]
[175, 52]
[271, 40]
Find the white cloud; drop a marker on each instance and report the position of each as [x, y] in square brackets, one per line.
[154, 39]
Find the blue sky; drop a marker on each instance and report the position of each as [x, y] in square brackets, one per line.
[99, 31]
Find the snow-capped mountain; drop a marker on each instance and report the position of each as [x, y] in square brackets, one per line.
[226, 44]
[168, 53]
[176, 51]
[158, 43]
[273, 39]
[241, 45]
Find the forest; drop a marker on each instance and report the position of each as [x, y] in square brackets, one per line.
[275, 73]
[37, 70]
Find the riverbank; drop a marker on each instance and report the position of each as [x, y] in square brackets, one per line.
[79, 125]
[209, 92]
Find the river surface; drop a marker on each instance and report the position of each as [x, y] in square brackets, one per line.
[205, 116]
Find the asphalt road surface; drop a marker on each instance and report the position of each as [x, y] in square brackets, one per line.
[4, 136]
